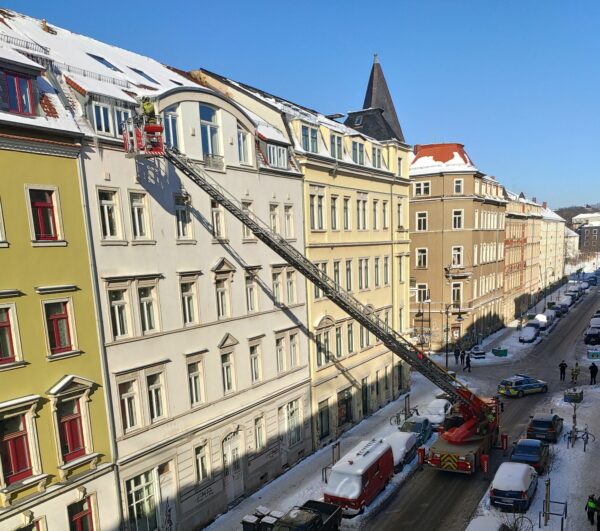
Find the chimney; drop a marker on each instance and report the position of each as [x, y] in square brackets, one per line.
[44, 25]
[534, 199]
[544, 204]
[416, 148]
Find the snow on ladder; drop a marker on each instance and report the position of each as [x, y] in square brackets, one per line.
[473, 406]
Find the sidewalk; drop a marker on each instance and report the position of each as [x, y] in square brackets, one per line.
[303, 481]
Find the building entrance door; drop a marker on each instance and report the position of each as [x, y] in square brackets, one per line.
[232, 467]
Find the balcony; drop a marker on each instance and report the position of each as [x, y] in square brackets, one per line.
[455, 272]
[213, 162]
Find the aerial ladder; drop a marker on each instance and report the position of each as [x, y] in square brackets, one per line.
[478, 417]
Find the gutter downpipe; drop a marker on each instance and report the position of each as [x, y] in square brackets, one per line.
[100, 331]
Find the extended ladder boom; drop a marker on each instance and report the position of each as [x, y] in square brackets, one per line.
[355, 309]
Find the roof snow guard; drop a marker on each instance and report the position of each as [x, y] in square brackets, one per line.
[441, 158]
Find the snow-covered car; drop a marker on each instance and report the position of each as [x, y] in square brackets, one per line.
[529, 334]
[436, 411]
[419, 426]
[486, 523]
[531, 452]
[404, 448]
[595, 322]
[477, 352]
[513, 487]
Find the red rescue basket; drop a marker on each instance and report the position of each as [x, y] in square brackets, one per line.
[142, 136]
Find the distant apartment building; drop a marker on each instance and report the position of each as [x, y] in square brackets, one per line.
[552, 249]
[457, 223]
[356, 219]
[571, 245]
[589, 241]
[56, 457]
[523, 247]
[204, 327]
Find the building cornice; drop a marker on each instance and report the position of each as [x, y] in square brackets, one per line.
[39, 146]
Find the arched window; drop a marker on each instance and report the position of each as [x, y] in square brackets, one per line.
[209, 130]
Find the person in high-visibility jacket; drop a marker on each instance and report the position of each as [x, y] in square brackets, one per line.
[148, 110]
[590, 508]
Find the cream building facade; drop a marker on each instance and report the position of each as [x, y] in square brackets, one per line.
[356, 219]
[552, 249]
[457, 217]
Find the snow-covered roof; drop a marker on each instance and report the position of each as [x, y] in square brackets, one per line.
[550, 215]
[513, 476]
[11, 55]
[266, 130]
[438, 158]
[400, 442]
[570, 233]
[105, 64]
[586, 216]
[363, 455]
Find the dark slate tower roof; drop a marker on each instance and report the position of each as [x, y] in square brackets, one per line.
[379, 119]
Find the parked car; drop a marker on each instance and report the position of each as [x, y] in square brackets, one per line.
[550, 316]
[592, 281]
[477, 352]
[513, 487]
[436, 411]
[419, 426]
[486, 523]
[545, 427]
[592, 336]
[534, 323]
[404, 448]
[542, 320]
[360, 475]
[531, 452]
[529, 334]
[566, 300]
[595, 322]
[520, 385]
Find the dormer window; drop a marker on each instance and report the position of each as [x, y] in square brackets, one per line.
[104, 62]
[358, 152]
[20, 94]
[358, 120]
[309, 139]
[144, 75]
[336, 147]
[102, 118]
[277, 156]
[376, 157]
[209, 130]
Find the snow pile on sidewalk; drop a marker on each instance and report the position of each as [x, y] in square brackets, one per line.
[572, 472]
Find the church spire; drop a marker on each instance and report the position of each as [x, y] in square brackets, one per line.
[378, 96]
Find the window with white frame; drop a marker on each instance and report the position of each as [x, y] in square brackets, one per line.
[121, 117]
[259, 433]
[170, 125]
[218, 220]
[280, 354]
[385, 215]
[422, 219]
[336, 146]
[422, 188]
[222, 297]
[9, 336]
[348, 275]
[243, 141]
[209, 130]
[475, 255]
[347, 225]
[474, 288]
[80, 514]
[119, 312]
[276, 286]
[293, 350]
[156, 396]
[15, 448]
[251, 293]
[350, 337]
[376, 152]
[422, 292]
[288, 219]
[246, 232]
[71, 433]
[202, 459]
[59, 326]
[142, 503]
[147, 301]
[128, 399]
[338, 342]
[361, 212]
[375, 220]
[334, 212]
[476, 219]
[457, 256]
[310, 139]
[386, 270]
[277, 156]
[458, 186]
[290, 286]
[195, 382]
[399, 219]
[102, 118]
[316, 206]
[421, 256]
[139, 216]
[189, 305]
[183, 216]
[457, 219]
[376, 271]
[316, 291]
[227, 372]
[255, 363]
[43, 205]
[294, 422]
[274, 217]
[336, 272]
[457, 292]
[109, 215]
[358, 152]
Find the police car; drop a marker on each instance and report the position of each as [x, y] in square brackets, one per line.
[521, 385]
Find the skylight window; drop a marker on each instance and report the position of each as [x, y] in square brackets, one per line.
[144, 75]
[358, 120]
[176, 82]
[103, 61]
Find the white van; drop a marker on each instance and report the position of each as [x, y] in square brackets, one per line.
[543, 320]
[514, 486]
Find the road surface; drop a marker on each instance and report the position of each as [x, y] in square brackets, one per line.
[440, 501]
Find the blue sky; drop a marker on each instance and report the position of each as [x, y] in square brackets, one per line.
[516, 81]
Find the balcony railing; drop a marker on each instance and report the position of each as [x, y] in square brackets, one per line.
[213, 162]
[455, 271]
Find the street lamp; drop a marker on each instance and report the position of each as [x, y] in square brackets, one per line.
[459, 319]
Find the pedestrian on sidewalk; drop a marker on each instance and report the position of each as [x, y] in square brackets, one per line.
[462, 357]
[456, 354]
[575, 373]
[467, 363]
[593, 373]
[590, 508]
[563, 369]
